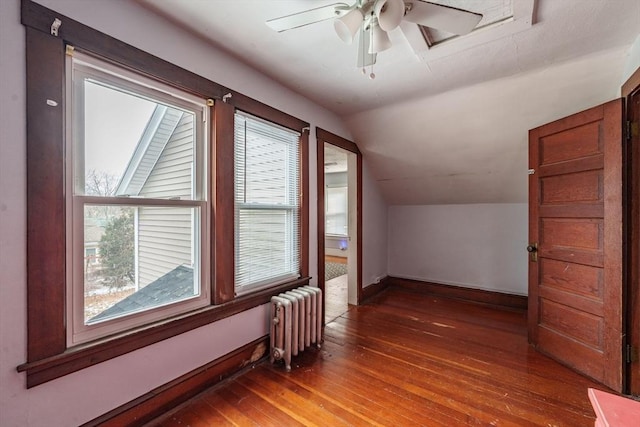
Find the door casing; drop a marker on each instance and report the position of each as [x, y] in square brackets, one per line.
[323, 136]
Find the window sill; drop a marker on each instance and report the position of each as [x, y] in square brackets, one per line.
[80, 357]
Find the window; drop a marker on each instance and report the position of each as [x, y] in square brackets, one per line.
[136, 159]
[336, 207]
[267, 203]
[136, 246]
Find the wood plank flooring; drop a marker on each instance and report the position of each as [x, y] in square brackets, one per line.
[404, 359]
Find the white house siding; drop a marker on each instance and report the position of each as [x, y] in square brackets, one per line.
[164, 234]
[169, 119]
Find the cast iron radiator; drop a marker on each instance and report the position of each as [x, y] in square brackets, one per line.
[296, 323]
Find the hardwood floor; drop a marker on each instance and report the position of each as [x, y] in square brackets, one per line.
[404, 359]
[338, 259]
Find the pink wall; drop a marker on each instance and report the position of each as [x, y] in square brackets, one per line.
[86, 394]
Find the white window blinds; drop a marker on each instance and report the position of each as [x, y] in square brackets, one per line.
[267, 203]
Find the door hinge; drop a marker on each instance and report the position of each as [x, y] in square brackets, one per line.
[632, 130]
[631, 354]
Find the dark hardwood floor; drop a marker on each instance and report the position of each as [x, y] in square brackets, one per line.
[404, 359]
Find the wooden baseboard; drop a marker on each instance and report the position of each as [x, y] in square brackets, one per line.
[166, 397]
[517, 302]
[374, 289]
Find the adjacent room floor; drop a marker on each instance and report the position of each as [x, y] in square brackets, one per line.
[336, 287]
[405, 359]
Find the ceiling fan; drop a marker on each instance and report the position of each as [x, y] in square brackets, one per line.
[373, 19]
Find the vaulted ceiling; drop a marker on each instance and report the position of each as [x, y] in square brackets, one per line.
[447, 124]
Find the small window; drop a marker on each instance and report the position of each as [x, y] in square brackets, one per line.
[336, 206]
[136, 161]
[267, 203]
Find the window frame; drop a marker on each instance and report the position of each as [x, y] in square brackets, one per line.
[78, 68]
[329, 213]
[292, 208]
[48, 356]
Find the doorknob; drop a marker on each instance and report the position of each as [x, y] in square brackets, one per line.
[533, 252]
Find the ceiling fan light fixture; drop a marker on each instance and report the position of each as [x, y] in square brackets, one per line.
[347, 26]
[379, 40]
[389, 13]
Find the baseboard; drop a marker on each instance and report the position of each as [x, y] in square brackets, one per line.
[166, 397]
[518, 302]
[374, 289]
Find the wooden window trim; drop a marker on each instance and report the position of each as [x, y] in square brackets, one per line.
[47, 354]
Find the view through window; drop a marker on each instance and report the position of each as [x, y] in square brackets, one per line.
[138, 199]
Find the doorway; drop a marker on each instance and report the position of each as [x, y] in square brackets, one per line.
[337, 240]
[339, 219]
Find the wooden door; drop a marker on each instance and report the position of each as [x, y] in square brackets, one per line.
[633, 299]
[575, 218]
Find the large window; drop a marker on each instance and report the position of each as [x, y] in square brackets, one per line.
[267, 203]
[136, 151]
[131, 199]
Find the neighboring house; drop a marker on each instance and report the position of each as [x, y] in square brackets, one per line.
[93, 231]
[161, 167]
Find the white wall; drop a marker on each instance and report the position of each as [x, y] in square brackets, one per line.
[633, 61]
[374, 239]
[86, 394]
[480, 246]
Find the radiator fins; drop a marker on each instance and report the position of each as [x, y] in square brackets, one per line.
[296, 323]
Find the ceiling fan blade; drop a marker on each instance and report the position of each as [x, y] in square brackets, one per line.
[445, 18]
[311, 16]
[364, 57]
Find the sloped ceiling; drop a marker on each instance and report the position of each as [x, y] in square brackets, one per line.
[440, 127]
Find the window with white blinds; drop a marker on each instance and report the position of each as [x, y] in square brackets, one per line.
[267, 203]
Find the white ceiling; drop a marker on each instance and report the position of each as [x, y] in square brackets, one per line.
[446, 125]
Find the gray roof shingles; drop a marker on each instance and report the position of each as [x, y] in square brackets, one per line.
[173, 286]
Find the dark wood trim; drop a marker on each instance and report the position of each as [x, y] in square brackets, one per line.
[632, 83]
[266, 112]
[223, 203]
[323, 136]
[80, 36]
[48, 358]
[336, 140]
[166, 397]
[320, 214]
[359, 216]
[46, 210]
[517, 302]
[74, 359]
[612, 299]
[632, 246]
[304, 203]
[374, 289]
